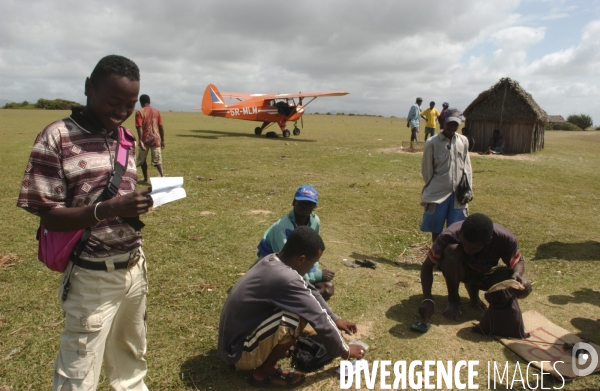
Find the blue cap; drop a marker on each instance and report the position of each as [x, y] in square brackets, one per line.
[306, 193]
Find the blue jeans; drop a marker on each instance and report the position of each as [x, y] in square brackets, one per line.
[436, 215]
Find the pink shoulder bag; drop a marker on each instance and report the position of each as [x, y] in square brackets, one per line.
[55, 248]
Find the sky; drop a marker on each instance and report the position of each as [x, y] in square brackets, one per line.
[384, 53]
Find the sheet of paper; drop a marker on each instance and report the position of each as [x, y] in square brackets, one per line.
[163, 183]
[166, 189]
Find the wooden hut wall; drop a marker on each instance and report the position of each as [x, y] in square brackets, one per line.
[519, 137]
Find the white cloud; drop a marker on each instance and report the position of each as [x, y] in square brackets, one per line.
[385, 53]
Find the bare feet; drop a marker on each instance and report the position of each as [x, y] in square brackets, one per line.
[452, 312]
[478, 304]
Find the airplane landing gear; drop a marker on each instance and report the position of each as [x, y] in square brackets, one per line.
[286, 133]
[257, 130]
[296, 131]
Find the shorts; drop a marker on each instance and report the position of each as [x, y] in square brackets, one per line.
[435, 215]
[156, 156]
[430, 131]
[279, 328]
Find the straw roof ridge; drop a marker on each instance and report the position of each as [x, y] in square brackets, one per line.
[556, 119]
[512, 107]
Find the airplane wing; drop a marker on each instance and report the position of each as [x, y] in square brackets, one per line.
[311, 94]
[243, 95]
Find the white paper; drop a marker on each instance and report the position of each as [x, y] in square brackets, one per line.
[166, 189]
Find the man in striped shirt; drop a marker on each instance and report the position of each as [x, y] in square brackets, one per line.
[70, 164]
[468, 251]
[267, 309]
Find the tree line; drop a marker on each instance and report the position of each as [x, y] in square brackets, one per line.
[44, 104]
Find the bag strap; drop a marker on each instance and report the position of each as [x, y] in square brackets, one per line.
[111, 189]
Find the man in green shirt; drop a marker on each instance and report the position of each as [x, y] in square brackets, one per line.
[304, 204]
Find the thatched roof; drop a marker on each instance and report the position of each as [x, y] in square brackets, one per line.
[506, 100]
[556, 119]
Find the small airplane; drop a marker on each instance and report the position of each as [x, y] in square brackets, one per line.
[266, 108]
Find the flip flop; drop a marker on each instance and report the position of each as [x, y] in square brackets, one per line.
[267, 382]
[366, 263]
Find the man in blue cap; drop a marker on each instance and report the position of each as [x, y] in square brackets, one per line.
[304, 204]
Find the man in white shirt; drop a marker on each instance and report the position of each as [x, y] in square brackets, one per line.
[445, 158]
[412, 120]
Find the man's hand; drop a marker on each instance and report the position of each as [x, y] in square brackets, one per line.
[519, 278]
[356, 351]
[162, 145]
[131, 204]
[407, 125]
[142, 146]
[465, 200]
[426, 310]
[327, 275]
[348, 327]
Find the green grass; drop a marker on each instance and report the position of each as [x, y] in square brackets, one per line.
[369, 208]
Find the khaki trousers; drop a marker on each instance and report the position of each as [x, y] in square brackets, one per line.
[104, 321]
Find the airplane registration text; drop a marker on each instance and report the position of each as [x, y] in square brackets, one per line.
[244, 111]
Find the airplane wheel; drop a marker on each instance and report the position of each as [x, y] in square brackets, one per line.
[257, 131]
[296, 131]
[286, 133]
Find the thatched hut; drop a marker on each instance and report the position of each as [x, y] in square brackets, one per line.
[506, 106]
[556, 119]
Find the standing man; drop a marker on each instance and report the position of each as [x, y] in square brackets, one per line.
[445, 158]
[412, 120]
[442, 115]
[151, 135]
[430, 115]
[69, 167]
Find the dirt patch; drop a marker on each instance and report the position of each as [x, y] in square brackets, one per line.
[255, 212]
[399, 149]
[363, 331]
[413, 254]
[522, 157]
[207, 213]
[9, 260]
[527, 157]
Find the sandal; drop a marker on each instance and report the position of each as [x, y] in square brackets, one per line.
[267, 382]
[366, 263]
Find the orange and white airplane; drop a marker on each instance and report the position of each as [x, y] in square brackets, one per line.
[266, 108]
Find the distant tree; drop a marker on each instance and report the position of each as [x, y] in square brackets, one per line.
[584, 121]
[328, 113]
[56, 104]
[45, 104]
[22, 105]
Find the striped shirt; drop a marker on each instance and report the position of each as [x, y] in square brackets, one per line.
[502, 246]
[70, 167]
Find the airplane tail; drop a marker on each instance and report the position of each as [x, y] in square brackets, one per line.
[212, 100]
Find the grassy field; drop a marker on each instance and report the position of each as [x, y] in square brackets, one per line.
[238, 184]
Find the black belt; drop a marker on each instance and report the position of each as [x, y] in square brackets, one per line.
[101, 265]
